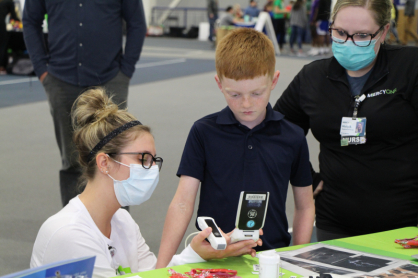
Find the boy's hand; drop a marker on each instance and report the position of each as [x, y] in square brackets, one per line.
[318, 189]
[206, 251]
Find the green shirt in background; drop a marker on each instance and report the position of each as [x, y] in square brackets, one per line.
[278, 3]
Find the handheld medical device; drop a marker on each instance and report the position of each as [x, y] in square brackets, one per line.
[251, 214]
[216, 239]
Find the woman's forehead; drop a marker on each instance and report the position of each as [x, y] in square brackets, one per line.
[355, 19]
[144, 142]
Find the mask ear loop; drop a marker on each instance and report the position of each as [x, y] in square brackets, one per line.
[116, 162]
[111, 177]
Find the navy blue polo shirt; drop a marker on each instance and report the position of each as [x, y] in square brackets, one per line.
[228, 158]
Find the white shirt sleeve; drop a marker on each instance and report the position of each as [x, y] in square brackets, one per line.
[188, 256]
[72, 242]
[146, 259]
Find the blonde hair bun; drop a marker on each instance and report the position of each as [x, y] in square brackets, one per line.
[94, 105]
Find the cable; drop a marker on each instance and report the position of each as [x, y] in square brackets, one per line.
[185, 242]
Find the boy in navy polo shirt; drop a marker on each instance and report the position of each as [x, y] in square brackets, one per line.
[245, 147]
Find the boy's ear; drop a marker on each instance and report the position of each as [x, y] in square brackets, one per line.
[275, 79]
[218, 82]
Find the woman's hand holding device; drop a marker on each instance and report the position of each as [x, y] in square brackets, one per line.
[207, 252]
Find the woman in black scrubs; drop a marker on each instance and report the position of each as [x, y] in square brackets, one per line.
[368, 179]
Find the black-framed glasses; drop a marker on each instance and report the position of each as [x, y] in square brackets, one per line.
[359, 39]
[147, 159]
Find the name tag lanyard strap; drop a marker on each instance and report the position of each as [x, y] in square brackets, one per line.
[357, 101]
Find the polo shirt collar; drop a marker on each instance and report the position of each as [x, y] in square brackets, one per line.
[226, 117]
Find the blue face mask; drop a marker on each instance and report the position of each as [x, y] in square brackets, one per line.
[139, 187]
[353, 57]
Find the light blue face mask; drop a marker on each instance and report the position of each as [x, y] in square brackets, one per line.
[139, 187]
[353, 57]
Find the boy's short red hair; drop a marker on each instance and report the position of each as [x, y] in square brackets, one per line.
[245, 54]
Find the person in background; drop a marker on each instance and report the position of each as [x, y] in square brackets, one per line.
[268, 8]
[212, 9]
[7, 7]
[322, 24]
[279, 22]
[316, 40]
[120, 168]
[298, 23]
[238, 14]
[409, 14]
[367, 183]
[289, 6]
[268, 3]
[89, 53]
[252, 10]
[227, 19]
[393, 22]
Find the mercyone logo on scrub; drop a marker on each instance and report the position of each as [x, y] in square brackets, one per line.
[382, 92]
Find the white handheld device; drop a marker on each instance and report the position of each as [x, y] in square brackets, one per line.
[216, 239]
[251, 214]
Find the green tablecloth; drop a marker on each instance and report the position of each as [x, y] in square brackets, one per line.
[378, 243]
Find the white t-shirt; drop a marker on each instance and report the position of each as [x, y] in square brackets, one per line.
[72, 233]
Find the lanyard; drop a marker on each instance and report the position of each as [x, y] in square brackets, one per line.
[357, 101]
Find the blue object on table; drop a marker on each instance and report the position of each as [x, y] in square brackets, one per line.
[81, 267]
[245, 24]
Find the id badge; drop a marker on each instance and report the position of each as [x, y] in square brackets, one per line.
[353, 132]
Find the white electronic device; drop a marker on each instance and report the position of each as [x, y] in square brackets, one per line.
[216, 239]
[251, 214]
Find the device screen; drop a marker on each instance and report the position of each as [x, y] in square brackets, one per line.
[253, 210]
[215, 230]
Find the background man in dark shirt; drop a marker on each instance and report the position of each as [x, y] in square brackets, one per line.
[84, 49]
[252, 9]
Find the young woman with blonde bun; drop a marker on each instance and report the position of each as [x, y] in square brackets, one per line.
[120, 168]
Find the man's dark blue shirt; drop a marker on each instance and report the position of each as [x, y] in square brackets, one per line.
[252, 11]
[84, 39]
[228, 158]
